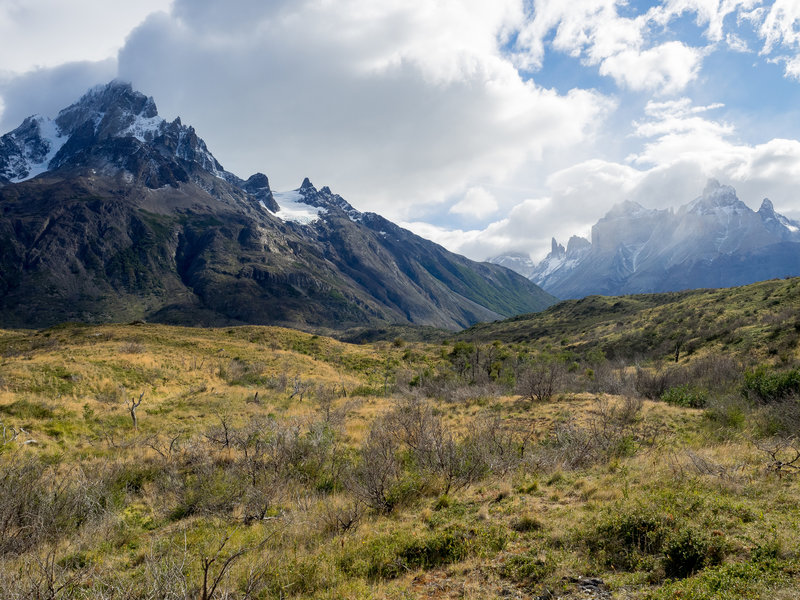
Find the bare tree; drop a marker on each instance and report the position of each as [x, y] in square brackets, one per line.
[299, 388]
[222, 434]
[11, 434]
[541, 380]
[212, 579]
[379, 470]
[132, 406]
[784, 456]
[165, 447]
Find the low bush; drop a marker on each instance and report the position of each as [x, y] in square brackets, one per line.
[765, 386]
[527, 569]
[387, 557]
[623, 539]
[685, 395]
[688, 551]
[728, 582]
[642, 537]
[42, 503]
[25, 409]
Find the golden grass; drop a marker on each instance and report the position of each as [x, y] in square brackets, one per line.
[79, 377]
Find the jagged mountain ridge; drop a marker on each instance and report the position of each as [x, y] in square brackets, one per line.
[110, 213]
[713, 241]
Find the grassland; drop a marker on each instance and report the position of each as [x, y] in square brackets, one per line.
[560, 455]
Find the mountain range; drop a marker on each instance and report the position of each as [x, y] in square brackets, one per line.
[109, 213]
[716, 240]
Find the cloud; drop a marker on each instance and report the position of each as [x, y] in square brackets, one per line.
[711, 13]
[683, 145]
[477, 203]
[586, 28]
[396, 105]
[666, 69]
[778, 25]
[48, 33]
[619, 46]
[46, 91]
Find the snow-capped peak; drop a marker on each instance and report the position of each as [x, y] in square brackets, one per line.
[110, 128]
[325, 198]
[717, 198]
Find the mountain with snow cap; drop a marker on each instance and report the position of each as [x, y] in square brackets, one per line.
[715, 240]
[111, 128]
[108, 212]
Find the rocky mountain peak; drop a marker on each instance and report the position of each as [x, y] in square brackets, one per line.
[110, 129]
[257, 185]
[325, 198]
[133, 217]
[767, 208]
[577, 245]
[712, 186]
[111, 108]
[556, 249]
[716, 197]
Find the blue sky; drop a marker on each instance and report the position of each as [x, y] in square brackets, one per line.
[486, 126]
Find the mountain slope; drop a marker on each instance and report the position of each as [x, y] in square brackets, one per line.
[111, 213]
[714, 241]
[757, 320]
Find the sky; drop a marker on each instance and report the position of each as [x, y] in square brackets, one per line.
[488, 127]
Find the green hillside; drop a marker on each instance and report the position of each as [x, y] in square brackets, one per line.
[762, 318]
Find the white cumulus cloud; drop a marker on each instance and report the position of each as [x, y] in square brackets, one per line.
[477, 203]
[395, 105]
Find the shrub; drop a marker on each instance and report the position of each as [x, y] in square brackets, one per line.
[377, 477]
[209, 490]
[728, 582]
[40, 502]
[24, 409]
[240, 372]
[730, 411]
[687, 552]
[765, 386]
[781, 418]
[653, 384]
[390, 556]
[131, 348]
[686, 396]
[623, 538]
[131, 478]
[540, 380]
[527, 569]
[526, 523]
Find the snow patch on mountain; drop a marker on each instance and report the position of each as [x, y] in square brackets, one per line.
[144, 129]
[788, 223]
[292, 208]
[35, 151]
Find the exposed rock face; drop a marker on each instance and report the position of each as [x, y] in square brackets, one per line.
[110, 213]
[713, 241]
